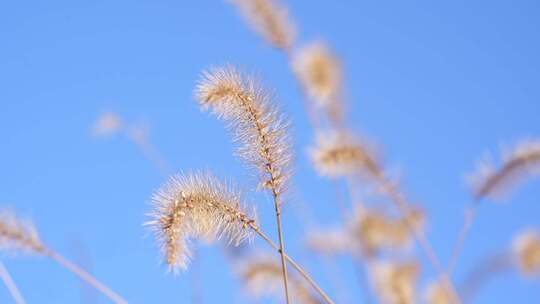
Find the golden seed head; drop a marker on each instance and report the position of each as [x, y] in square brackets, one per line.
[19, 235]
[436, 293]
[256, 124]
[376, 231]
[395, 282]
[320, 73]
[527, 252]
[270, 20]
[196, 206]
[519, 163]
[340, 153]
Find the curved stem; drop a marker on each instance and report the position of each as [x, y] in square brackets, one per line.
[8, 281]
[85, 276]
[298, 268]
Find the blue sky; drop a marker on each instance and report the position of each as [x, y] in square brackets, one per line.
[435, 84]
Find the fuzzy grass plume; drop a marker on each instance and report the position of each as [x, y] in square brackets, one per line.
[521, 162]
[270, 20]
[338, 154]
[261, 275]
[256, 124]
[375, 231]
[259, 127]
[319, 72]
[395, 281]
[196, 206]
[18, 235]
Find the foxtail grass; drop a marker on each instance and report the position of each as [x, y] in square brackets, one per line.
[198, 205]
[258, 127]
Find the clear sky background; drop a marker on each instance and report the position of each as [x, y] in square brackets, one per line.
[436, 84]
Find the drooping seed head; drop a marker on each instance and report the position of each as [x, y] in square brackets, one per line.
[518, 164]
[196, 206]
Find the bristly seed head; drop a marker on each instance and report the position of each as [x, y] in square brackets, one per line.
[256, 124]
[196, 206]
[19, 235]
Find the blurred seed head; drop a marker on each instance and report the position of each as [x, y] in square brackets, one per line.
[262, 277]
[377, 231]
[518, 164]
[107, 124]
[270, 20]
[339, 153]
[320, 73]
[17, 235]
[526, 249]
[395, 282]
[255, 123]
[436, 293]
[196, 206]
[329, 242]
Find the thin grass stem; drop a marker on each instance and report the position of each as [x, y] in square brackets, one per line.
[85, 276]
[10, 284]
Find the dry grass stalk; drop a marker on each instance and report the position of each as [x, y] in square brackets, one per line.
[262, 277]
[109, 124]
[10, 284]
[319, 72]
[192, 206]
[270, 20]
[395, 281]
[526, 250]
[21, 236]
[340, 154]
[518, 164]
[258, 126]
